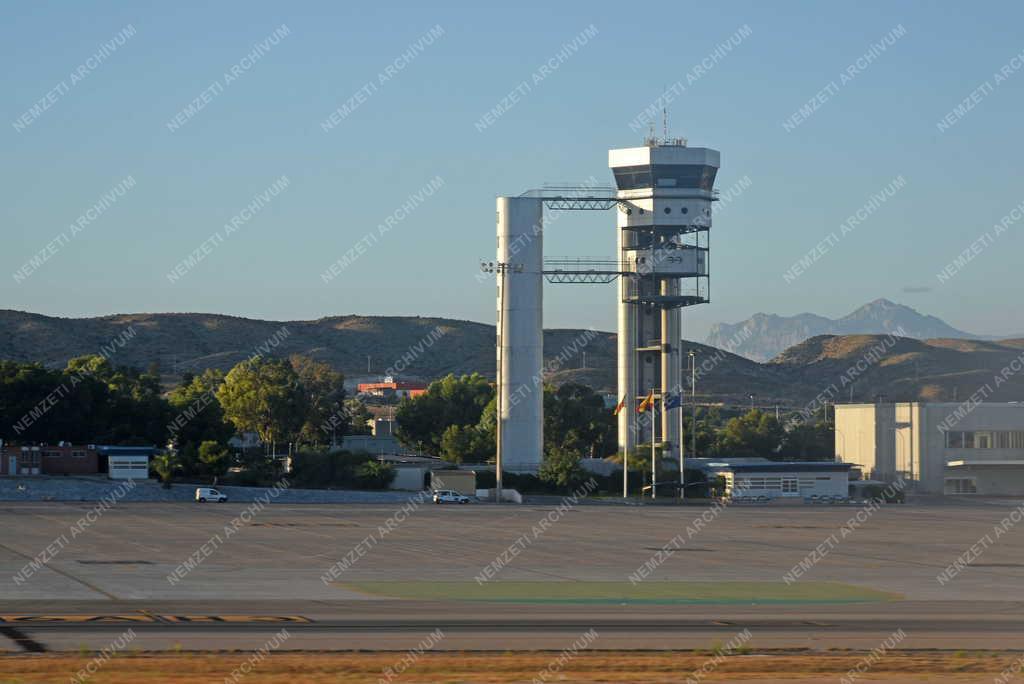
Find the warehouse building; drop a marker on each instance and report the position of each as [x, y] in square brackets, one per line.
[951, 448]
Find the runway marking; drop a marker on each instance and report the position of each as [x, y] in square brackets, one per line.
[53, 567]
[91, 619]
[25, 642]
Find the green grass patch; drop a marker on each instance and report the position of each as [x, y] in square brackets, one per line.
[624, 592]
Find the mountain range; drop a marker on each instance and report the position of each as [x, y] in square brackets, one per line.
[901, 368]
[763, 336]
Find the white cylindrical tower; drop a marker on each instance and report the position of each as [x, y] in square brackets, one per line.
[520, 262]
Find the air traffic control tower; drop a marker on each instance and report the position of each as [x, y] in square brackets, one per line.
[665, 191]
[663, 196]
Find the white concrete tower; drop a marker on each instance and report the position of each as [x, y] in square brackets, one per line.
[519, 266]
[664, 215]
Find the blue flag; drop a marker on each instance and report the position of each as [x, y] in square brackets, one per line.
[674, 401]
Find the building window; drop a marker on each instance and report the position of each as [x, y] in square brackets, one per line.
[985, 439]
[961, 485]
[789, 486]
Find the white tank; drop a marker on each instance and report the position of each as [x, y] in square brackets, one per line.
[520, 332]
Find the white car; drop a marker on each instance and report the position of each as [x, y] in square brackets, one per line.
[204, 494]
[448, 496]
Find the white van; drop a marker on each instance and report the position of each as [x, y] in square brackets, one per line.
[204, 494]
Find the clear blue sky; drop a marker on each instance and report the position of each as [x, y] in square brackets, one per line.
[420, 124]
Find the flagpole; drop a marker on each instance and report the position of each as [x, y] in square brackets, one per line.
[654, 493]
[682, 458]
[625, 452]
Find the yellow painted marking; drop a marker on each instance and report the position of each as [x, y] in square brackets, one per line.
[93, 619]
[148, 617]
[188, 619]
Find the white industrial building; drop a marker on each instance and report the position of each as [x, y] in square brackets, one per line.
[952, 448]
[756, 477]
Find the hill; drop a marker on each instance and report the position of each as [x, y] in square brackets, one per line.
[766, 335]
[427, 348]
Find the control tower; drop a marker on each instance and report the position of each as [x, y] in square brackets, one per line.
[664, 192]
[662, 198]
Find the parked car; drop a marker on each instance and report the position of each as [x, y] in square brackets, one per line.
[204, 494]
[449, 496]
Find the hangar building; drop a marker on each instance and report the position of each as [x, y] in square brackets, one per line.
[951, 448]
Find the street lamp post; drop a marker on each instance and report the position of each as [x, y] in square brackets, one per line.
[502, 268]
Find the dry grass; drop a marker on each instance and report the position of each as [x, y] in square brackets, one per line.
[628, 666]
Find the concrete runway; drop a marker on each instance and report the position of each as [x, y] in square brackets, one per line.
[111, 574]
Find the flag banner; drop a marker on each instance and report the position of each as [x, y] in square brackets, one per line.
[647, 403]
[674, 401]
[618, 407]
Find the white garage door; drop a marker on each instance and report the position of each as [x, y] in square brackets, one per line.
[128, 467]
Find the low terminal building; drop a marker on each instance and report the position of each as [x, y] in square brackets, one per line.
[755, 477]
[937, 447]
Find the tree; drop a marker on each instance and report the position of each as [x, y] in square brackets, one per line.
[164, 466]
[214, 458]
[423, 420]
[89, 401]
[197, 417]
[807, 442]
[466, 444]
[264, 396]
[324, 389]
[561, 467]
[576, 420]
[752, 434]
[374, 475]
[357, 417]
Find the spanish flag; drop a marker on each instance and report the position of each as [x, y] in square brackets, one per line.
[647, 403]
[619, 407]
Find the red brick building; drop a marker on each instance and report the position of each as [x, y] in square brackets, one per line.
[59, 459]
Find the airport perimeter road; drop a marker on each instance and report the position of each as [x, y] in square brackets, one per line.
[362, 577]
